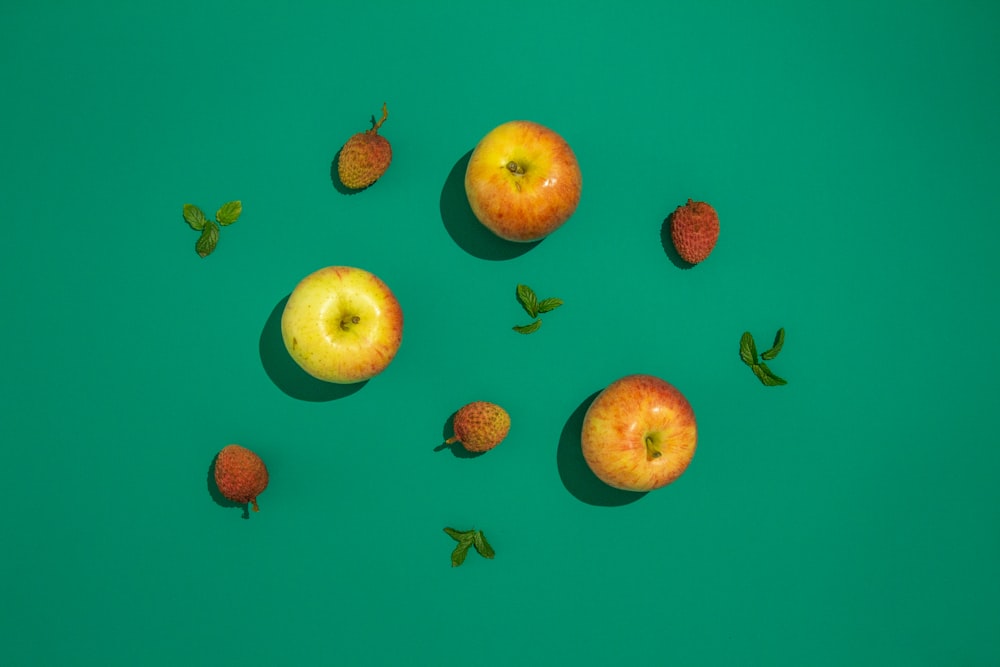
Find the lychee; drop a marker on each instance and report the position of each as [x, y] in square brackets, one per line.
[365, 157]
[694, 229]
[240, 475]
[480, 426]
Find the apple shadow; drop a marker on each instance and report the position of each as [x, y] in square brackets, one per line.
[576, 475]
[286, 374]
[668, 246]
[221, 500]
[456, 448]
[461, 223]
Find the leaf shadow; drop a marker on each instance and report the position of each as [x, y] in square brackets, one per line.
[463, 226]
[456, 448]
[287, 375]
[576, 475]
[221, 500]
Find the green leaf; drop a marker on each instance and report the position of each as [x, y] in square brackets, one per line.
[528, 299]
[546, 305]
[748, 349]
[767, 376]
[528, 328]
[208, 239]
[194, 217]
[460, 552]
[482, 546]
[229, 212]
[457, 535]
[779, 340]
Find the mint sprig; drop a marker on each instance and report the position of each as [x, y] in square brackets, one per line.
[227, 214]
[748, 354]
[534, 307]
[466, 539]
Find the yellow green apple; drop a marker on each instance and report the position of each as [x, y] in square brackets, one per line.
[342, 324]
[523, 181]
[639, 434]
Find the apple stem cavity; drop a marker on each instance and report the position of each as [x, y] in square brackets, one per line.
[347, 322]
[652, 449]
[515, 168]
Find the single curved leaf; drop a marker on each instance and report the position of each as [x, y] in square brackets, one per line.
[229, 212]
[528, 299]
[207, 241]
[194, 217]
[779, 340]
[528, 328]
[748, 349]
[767, 376]
[546, 305]
[482, 546]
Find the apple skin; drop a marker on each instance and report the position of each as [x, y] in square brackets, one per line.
[630, 412]
[342, 324]
[523, 181]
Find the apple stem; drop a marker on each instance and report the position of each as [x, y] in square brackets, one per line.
[346, 323]
[652, 449]
[385, 114]
[515, 168]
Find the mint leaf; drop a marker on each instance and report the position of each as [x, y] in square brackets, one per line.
[207, 241]
[748, 349]
[528, 299]
[546, 305]
[779, 340]
[460, 552]
[767, 376]
[481, 545]
[194, 217]
[528, 328]
[229, 212]
[457, 535]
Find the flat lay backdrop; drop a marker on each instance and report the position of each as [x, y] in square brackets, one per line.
[850, 517]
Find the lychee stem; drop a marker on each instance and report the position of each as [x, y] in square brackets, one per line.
[385, 114]
[452, 440]
[253, 503]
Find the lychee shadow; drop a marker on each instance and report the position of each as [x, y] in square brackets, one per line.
[339, 184]
[221, 500]
[668, 246]
[286, 374]
[456, 447]
[576, 475]
[461, 223]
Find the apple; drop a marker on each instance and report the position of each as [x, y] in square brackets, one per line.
[523, 181]
[639, 434]
[342, 324]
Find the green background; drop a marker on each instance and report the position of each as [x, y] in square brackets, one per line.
[850, 517]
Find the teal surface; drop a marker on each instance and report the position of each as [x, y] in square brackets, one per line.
[851, 517]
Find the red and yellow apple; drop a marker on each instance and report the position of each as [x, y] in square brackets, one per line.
[342, 324]
[639, 434]
[523, 181]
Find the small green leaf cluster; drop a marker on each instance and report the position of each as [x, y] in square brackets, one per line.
[466, 539]
[227, 214]
[748, 353]
[534, 307]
